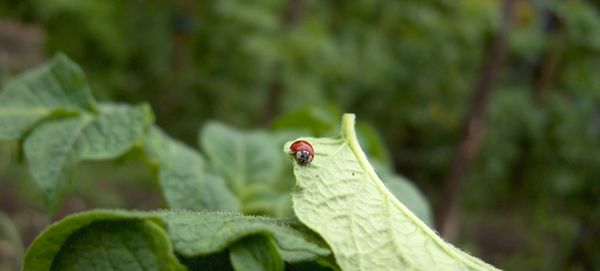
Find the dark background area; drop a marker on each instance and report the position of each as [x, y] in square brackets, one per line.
[492, 108]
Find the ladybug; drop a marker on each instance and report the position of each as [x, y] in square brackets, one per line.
[303, 152]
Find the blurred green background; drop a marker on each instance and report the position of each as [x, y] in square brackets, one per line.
[531, 197]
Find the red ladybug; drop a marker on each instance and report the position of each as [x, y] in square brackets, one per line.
[303, 152]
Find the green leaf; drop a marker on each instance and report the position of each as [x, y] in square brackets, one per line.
[310, 266]
[317, 120]
[57, 86]
[54, 147]
[114, 131]
[406, 192]
[214, 262]
[242, 158]
[41, 253]
[372, 142]
[255, 252]
[216, 196]
[101, 237]
[409, 195]
[341, 198]
[118, 245]
[183, 177]
[198, 233]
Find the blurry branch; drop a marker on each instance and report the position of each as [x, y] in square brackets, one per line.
[273, 96]
[293, 13]
[545, 70]
[291, 16]
[170, 99]
[474, 126]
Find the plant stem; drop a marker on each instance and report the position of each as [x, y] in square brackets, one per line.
[474, 126]
[291, 16]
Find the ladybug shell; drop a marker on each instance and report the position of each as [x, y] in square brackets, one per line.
[303, 152]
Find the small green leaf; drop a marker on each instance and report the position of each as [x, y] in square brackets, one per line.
[242, 158]
[372, 142]
[341, 198]
[318, 120]
[255, 253]
[410, 196]
[51, 153]
[58, 85]
[406, 192]
[183, 177]
[259, 198]
[216, 196]
[114, 131]
[54, 147]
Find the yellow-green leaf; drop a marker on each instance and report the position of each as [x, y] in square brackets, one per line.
[341, 198]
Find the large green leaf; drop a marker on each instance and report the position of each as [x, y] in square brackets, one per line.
[117, 245]
[242, 158]
[183, 176]
[122, 240]
[57, 86]
[340, 197]
[255, 253]
[54, 147]
[42, 252]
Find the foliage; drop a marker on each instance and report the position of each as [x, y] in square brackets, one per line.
[244, 172]
[243, 169]
[11, 250]
[406, 67]
[121, 240]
